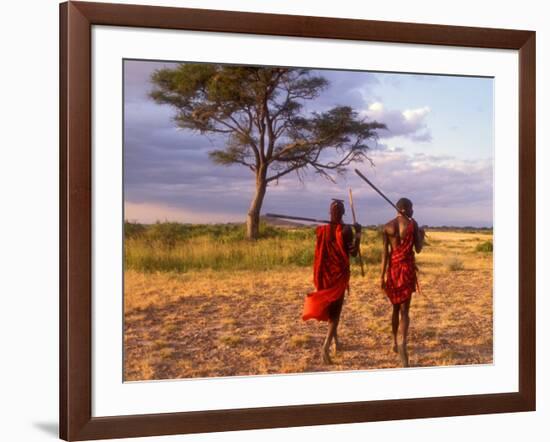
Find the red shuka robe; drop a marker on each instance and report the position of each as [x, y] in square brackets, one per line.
[330, 273]
[401, 273]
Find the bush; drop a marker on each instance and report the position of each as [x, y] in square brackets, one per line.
[372, 254]
[454, 264]
[133, 230]
[485, 247]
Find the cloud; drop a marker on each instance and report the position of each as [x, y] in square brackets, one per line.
[150, 213]
[168, 174]
[445, 190]
[345, 89]
[409, 123]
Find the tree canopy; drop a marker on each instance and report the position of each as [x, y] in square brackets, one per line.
[262, 113]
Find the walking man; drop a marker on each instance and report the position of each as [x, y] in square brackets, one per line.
[335, 243]
[401, 238]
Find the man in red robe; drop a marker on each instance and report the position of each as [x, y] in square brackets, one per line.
[401, 238]
[335, 243]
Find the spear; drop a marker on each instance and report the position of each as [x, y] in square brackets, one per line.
[302, 218]
[377, 190]
[383, 196]
[354, 222]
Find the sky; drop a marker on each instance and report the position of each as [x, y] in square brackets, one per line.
[437, 151]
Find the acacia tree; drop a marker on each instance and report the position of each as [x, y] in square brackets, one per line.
[260, 110]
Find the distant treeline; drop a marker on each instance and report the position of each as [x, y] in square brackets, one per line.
[169, 229]
[465, 229]
[170, 232]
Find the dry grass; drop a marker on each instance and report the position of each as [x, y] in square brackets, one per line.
[207, 323]
[180, 248]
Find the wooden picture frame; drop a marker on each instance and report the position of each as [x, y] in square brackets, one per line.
[76, 21]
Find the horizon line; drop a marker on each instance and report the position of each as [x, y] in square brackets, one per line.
[296, 224]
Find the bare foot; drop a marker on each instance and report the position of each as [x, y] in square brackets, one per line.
[394, 348]
[337, 346]
[404, 355]
[326, 357]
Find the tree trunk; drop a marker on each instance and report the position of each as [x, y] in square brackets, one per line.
[253, 217]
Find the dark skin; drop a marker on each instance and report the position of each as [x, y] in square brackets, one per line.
[392, 233]
[351, 242]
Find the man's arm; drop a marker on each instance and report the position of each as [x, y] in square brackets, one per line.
[352, 241]
[418, 237]
[356, 240]
[385, 254]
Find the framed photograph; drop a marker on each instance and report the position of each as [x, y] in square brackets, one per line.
[272, 221]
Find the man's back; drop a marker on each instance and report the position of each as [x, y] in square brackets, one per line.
[396, 230]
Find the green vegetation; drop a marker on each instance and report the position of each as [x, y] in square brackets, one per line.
[486, 246]
[175, 247]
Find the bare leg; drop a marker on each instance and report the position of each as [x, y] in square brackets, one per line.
[334, 312]
[327, 342]
[338, 312]
[403, 333]
[395, 326]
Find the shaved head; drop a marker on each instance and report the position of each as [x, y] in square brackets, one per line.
[405, 206]
[337, 210]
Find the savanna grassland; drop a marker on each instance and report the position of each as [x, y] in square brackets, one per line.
[202, 301]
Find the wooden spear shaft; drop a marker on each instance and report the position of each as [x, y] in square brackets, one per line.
[379, 192]
[302, 218]
[384, 196]
[354, 222]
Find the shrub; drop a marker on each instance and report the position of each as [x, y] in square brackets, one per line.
[454, 264]
[485, 247]
[133, 230]
[371, 254]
